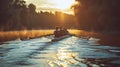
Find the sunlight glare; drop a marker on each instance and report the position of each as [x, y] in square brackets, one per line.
[63, 4]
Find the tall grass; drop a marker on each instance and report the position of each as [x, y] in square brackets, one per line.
[81, 33]
[105, 39]
[25, 34]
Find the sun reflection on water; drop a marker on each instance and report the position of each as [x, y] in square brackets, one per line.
[63, 57]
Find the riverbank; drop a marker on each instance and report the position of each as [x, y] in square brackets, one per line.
[23, 35]
[69, 52]
[112, 39]
[105, 38]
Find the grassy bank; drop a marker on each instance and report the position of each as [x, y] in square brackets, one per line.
[105, 39]
[25, 34]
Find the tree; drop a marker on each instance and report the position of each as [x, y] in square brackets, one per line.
[98, 15]
[32, 8]
[18, 7]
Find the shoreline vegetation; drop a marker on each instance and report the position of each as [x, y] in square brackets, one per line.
[23, 34]
[105, 38]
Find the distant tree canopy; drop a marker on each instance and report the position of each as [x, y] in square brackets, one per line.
[32, 8]
[98, 15]
[16, 15]
[4, 10]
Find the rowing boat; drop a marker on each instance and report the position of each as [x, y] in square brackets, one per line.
[60, 38]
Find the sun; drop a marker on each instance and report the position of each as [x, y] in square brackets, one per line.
[63, 4]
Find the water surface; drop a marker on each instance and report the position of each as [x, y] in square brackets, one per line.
[69, 52]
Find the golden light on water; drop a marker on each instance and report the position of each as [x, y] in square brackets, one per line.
[63, 57]
[64, 53]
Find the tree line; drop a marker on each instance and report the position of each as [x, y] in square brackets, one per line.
[98, 15]
[16, 15]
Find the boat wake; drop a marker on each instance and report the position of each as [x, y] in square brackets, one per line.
[69, 52]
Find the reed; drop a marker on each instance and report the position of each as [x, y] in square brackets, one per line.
[105, 39]
[24, 34]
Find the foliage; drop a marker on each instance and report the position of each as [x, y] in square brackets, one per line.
[16, 15]
[23, 34]
[98, 15]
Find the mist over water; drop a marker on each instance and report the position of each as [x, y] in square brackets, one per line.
[95, 44]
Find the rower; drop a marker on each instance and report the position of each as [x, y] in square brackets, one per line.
[57, 32]
[65, 31]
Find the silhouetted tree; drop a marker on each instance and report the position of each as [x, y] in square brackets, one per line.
[19, 9]
[32, 8]
[98, 15]
[15, 15]
[5, 15]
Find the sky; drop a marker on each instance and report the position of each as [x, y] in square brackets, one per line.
[53, 5]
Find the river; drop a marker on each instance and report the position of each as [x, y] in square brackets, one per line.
[69, 52]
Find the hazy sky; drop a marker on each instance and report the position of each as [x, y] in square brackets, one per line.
[53, 5]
